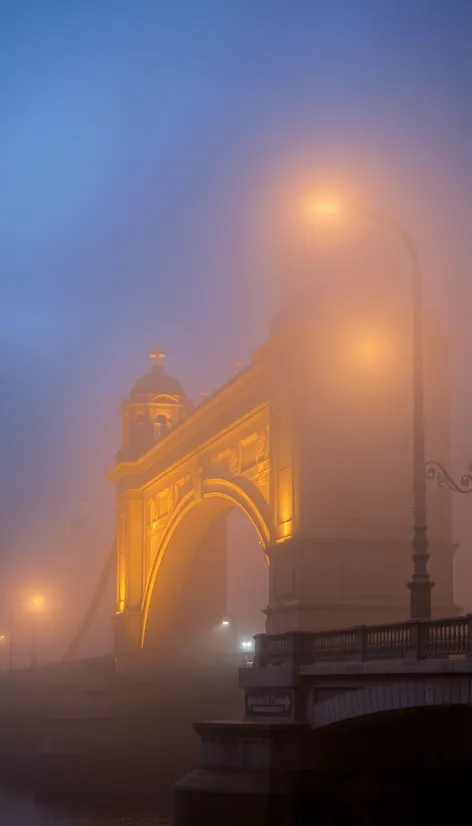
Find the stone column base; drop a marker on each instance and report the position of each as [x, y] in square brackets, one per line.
[250, 774]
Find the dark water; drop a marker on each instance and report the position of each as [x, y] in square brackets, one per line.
[19, 809]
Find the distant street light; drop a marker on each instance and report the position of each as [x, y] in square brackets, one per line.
[327, 207]
[6, 639]
[3, 640]
[37, 603]
[36, 607]
[230, 625]
[247, 646]
[420, 584]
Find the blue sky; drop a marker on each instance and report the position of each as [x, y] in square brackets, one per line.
[143, 145]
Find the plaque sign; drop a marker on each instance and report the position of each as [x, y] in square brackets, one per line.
[269, 703]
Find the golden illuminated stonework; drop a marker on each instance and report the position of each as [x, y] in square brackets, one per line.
[293, 449]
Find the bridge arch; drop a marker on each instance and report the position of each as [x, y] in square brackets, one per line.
[384, 764]
[184, 532]
[391, 696]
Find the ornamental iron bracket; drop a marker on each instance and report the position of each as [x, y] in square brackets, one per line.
[435, 470]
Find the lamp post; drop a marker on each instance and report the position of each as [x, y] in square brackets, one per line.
[4, 639]
[231, 625]
[420, 584]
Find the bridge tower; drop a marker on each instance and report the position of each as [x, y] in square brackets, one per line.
[157, 404]
[340, 385]
[337, 381]
[313, 441]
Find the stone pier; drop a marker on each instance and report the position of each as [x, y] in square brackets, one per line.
[330, 719]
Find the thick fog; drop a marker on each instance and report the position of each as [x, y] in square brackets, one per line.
[150, 158]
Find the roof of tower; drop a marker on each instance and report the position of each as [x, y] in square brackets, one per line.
[157, 383]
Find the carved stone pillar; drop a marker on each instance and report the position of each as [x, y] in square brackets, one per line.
[130, 552]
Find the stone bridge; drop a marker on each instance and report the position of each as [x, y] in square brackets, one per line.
[327, 677]
[385, 700]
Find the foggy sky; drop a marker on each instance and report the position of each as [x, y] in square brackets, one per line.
[145, 148]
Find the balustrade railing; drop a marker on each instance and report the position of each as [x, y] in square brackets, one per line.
[413, 640]
[384, 642]
[277, 649]
[442, 638]
[329, 645]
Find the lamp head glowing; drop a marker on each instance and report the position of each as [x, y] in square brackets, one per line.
[247, 645]
[38, 602]
[326, 207]
[320, 209]
[373, 350]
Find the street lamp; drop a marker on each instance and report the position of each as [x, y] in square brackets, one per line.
[420, 585]
[247, 646]
[327, 206]
[36, 607]
[230, 625]
[7, 639]
[37, 602]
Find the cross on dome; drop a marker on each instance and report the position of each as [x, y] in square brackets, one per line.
[157, 356]
[157, 382]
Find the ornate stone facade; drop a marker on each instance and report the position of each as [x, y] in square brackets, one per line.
[280, 442]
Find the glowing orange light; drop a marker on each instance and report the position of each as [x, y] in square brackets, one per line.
[372, 349]
[326, 207]
[285, 529]
[313, 210]
[38, 602]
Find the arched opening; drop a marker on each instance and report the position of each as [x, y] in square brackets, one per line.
[160, 425]
[383, 767]
[247, 580]
[210, 571]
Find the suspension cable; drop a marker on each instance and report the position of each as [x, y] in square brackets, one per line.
[94, 604]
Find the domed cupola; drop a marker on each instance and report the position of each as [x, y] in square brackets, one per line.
[156, 404]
